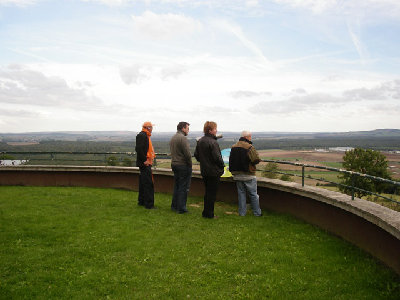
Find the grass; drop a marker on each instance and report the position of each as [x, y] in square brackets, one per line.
[331, 164]
[87, 243]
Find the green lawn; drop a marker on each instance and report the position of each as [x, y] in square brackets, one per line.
[331, 164]
[86, 243]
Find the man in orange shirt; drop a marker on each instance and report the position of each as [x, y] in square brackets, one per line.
[145, 158]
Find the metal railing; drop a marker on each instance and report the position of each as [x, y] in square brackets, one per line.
[102, 157]
[64, 156]
[98, 158]
[353, 175]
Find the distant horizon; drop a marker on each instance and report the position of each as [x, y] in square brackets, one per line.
[161, 132]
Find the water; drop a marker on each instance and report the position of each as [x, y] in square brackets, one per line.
[12, 162]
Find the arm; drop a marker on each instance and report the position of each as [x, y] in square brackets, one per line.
[186, 151]
[142, 146]
[196, 152]
[253, 155]
[216, 155]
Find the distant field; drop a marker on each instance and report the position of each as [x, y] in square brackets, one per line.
[22, 143]
[310, 157]
[328, 159]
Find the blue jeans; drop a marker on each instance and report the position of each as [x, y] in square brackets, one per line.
[250, 187]
[182, 176]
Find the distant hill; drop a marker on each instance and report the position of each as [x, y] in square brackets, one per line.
[162, 136]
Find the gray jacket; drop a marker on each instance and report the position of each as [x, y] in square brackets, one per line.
[180, 151]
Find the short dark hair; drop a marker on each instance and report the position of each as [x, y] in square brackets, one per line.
[209, 125]
[182, 125]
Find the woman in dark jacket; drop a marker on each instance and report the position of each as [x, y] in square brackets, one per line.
[208, 154]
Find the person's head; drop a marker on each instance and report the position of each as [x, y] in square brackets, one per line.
[184, 127]
[246, 134]
[148, 125]
[210, 127]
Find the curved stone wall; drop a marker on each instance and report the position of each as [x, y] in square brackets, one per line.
[374, 228]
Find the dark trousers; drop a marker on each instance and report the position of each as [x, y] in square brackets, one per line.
[146, 187]
[211, 186]
[182, 176]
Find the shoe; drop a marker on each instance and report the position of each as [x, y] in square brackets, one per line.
[183, 212]
[259, 215]
[208, 217]
[216, 217]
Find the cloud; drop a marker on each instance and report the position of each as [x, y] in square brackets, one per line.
[110, 2]
[19, 113]
[372, 97]
[387, 90]
[173, 72]
[316, 6]
[137, 74]
[237, 31]
[299, 91]
[382, 8]
[133, 74]
[387, 109]
[248, 94]
[19, 85]
[358, 44]
[202, 109]
[364, 94]
[296, 104]
[164, 26]
[20, 3]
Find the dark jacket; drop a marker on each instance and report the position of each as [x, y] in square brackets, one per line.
[208, 154]
[142, 146]
[243, 158]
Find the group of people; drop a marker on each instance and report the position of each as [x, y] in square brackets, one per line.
[242, 164]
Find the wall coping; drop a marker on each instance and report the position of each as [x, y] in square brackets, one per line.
[383, 217]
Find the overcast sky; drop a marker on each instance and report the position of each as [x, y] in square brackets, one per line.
[277, 65]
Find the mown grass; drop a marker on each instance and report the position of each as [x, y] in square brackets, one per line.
[86, 243]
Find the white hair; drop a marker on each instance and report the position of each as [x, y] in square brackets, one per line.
[245, 133]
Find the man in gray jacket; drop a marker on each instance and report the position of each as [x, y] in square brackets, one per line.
[181, 163]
